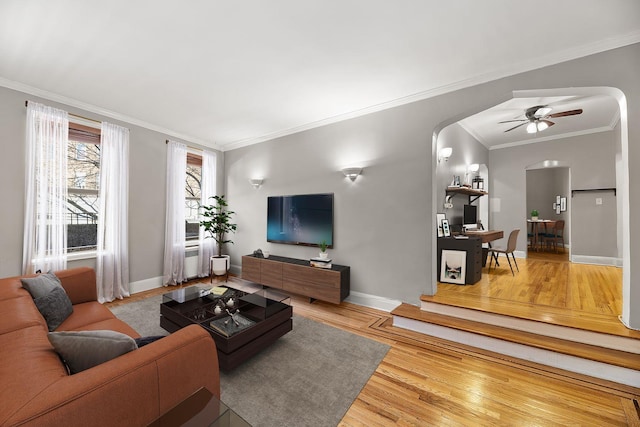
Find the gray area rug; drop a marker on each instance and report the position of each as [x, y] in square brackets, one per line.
[309, 377]
[143, 316]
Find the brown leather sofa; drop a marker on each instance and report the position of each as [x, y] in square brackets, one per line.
[132, 389]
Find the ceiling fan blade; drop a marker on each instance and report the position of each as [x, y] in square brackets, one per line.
[542, 112]
[512, 121]
[566, 113]
[517, 126]
[548, 122]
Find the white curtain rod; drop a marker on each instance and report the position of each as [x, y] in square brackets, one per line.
[26, 104]
[188, 146]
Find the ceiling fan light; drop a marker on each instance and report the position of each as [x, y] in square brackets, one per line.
[542, 126]
[531, 128]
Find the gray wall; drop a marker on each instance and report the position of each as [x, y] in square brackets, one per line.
[383, 222]
[591, 159]
[379, 219]
[147, 181]
[466, 151]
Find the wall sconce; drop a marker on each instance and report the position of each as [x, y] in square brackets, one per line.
[352, 173]
[444, 154]
[256, 182]
[473, 167]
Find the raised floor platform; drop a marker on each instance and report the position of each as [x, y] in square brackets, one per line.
[587, 343]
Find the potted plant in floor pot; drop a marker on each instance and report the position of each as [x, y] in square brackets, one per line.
[217, 222]
[534, 215]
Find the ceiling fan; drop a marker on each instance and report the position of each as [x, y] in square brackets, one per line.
[537, 118]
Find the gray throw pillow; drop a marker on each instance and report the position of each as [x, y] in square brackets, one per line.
[41, 285]
[55, 307]
[85, 349]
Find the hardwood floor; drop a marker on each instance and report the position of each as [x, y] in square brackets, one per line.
[548, 288]
[428, 381]
[425, 381]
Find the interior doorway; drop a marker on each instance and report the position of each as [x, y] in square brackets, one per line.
[509, 212]
[548, 203]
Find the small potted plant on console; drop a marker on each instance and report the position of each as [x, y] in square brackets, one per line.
[323, 250]
[218, 223]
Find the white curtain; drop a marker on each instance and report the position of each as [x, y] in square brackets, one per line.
[174, 235]
[206, 245]
[112, 260]
[45, 230]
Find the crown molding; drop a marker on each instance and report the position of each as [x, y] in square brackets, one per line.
[517, 68]
[552, 137]
[51, 96]
[535, 63]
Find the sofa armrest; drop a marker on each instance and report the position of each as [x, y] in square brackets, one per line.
[80, 284]
[133, 389]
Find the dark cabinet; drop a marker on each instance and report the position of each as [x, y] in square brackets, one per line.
[473, 247]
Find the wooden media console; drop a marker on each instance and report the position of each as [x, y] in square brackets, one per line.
[298, 277]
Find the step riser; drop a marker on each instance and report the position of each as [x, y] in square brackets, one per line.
[545, 357]
[613, 342]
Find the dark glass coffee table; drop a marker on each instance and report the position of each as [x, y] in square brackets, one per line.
[200, 409]
[243, 320]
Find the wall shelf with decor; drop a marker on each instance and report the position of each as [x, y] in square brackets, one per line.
[472, 193]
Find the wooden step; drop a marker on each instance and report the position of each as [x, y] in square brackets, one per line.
[585, 351]
[588, 321]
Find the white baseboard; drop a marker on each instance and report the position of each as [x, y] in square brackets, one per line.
[145, 285]
[545, 357]
[596, 260]
[372, 301]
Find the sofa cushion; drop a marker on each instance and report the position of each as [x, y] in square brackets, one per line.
[29, 367]
[55, 307]
[19, 313]
[85, 349]
[41, 284]
[93, 316]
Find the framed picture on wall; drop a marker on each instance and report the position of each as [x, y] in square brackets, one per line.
[453, 266]
[439, 218]
[563, 204]
[445, 228]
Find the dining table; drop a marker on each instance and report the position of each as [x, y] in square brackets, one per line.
[536, 231]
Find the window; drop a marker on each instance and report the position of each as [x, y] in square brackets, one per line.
[81, 152]
[83, 179]
[192, 197]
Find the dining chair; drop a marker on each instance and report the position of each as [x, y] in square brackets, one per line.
[555, 235]
[511, 246]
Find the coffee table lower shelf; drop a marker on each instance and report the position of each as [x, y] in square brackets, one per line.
[232, 351]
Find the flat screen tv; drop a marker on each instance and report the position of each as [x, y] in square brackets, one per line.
[305, 219]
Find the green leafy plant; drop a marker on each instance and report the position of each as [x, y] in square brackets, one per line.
[217, 221]
[534, 213]
[323, 246]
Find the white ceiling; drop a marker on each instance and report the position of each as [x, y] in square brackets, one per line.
[600, 113]
[231, 73]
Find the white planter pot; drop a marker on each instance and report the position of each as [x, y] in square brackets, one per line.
[324, 255]
[534, 218]
[220, 265]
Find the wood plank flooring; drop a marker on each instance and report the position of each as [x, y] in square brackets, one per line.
[425, 381]
[549, 289]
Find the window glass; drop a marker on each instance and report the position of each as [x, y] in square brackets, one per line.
[83, 178]
[192, 196]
